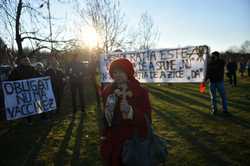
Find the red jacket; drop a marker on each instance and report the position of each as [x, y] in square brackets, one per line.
[121, 129]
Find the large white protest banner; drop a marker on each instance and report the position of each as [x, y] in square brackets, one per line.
[28, 97]
[162, 65]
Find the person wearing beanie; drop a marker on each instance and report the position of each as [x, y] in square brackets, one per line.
[125, 104]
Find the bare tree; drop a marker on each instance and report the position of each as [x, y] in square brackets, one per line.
[147, 34]
[25, 20]
[106, 18]
[245, 47]
[233, 49]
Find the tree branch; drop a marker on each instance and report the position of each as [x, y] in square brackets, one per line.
[39, 48]
[49, 41]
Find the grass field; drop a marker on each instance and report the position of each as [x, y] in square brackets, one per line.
[181, 115]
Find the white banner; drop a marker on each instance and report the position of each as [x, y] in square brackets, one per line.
[28, 97]
[162, 65]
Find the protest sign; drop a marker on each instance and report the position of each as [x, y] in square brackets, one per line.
[162, 65]
[28, 97]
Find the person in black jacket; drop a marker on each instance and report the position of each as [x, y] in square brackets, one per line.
[215, 74]
[242, 67]
[24, 70]
[57, 77]
[231, 72]
[76, 74]
[4, 74]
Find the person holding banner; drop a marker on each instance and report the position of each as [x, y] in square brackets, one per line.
[4, 74]
[126, 104]
[5, 69]
[24, 70]
[57, 80]
[215, 74]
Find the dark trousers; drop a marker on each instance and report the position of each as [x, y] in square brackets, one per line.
[233, 79]
[77, 88]
[58, 92]
[218, 87]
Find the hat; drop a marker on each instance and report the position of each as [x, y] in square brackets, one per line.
[215, 54]
[124, 65]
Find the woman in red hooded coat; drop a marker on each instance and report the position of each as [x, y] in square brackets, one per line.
[125, 103]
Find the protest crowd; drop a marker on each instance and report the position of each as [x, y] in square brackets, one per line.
[69, 76]
[47, 82]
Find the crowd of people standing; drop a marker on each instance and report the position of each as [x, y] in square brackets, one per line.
[127, 106]
[72, 74]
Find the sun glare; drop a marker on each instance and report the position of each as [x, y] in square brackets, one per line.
[89, 37]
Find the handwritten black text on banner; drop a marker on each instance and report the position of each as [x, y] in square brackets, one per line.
[28, 97]
[162, 65]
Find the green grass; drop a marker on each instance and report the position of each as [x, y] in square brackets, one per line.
[181, 114]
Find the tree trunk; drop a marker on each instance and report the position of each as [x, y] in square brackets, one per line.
[18, 35]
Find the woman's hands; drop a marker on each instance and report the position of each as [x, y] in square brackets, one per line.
[126, 109]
